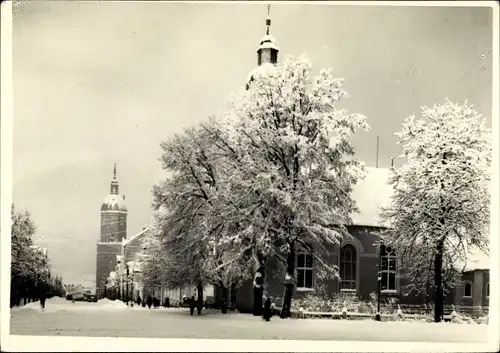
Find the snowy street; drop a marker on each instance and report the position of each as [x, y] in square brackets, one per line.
[109, 320]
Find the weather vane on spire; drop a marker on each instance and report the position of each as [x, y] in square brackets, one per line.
[268, 20]
[114, 172]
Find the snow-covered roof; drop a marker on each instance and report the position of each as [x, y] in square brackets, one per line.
[370, 194]
[476, 260]
[127, 241]
[268, 45]
[268, 38]
[114, 202]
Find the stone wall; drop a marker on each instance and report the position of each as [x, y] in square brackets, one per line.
[113, 226]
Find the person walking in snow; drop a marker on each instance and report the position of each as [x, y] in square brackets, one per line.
[42, 296]
[150, 301]
[139, 300]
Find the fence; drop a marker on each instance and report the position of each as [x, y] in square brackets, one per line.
[362, 310]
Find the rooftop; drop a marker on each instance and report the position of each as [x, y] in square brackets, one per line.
[114, 202]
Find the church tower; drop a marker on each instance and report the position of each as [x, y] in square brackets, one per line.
[113, 214]
[113, 231]
[267, 53]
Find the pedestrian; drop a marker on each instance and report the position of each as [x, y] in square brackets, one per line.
[139, 300]
[150, 301]
[266, 315]
[167, 302]
[191, 305]
[43, 296]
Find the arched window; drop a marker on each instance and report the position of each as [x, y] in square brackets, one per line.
[387, 269]
[467, 289]
[348, 268]
[304, 270]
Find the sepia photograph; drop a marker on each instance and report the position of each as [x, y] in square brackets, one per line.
[249, 176]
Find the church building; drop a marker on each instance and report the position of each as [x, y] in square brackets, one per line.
[357, 257]
[114, 247]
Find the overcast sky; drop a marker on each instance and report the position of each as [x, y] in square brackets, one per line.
[103, 82]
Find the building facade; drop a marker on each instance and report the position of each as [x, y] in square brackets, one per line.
[359, 258]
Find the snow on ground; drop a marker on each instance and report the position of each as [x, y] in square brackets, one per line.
[60, 304]
[112, 304]
[63, 318]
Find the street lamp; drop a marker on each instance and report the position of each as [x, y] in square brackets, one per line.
[127, 280]
[379, 283]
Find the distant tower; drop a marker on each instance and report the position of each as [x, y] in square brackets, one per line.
[113, 231]
[268, 50]
[113, 214]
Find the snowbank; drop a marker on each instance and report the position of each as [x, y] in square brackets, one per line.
[49, 302]
[116, 304]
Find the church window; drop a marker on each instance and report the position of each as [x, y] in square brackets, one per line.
[467, 290]
[348, 268]
[388, 263]
[304, 270]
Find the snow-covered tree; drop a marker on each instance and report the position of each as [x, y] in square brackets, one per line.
[30, 268]
[440, 207]
[272, 174]
[23, 229]
[151, 258]
[296, 157]
[191, 221]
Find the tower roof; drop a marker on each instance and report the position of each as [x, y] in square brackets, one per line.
[114, 201]
[268, 41]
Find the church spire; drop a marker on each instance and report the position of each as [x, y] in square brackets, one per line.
[114, 183]
[268, 19]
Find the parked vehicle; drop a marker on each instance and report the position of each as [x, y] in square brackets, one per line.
[92, 298]
[78, 296]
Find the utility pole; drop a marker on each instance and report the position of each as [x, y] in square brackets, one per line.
[378, 140]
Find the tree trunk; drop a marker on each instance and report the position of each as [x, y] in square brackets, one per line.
[289, 279]
[258, 290]
[200, 298]
[224, 299]
[438, 282]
